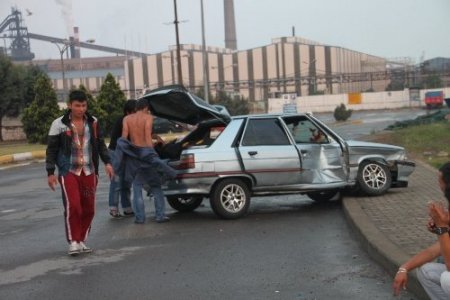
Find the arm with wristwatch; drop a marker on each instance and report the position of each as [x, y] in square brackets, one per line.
[441, 220]
[439, 225]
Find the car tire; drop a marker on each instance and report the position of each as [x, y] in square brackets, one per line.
[322, 196]
[184, 204]
[374, 178]
[230, 199]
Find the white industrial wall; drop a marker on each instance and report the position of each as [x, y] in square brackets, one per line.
[327, 103]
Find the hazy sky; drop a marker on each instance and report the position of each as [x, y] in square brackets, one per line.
[387, 28]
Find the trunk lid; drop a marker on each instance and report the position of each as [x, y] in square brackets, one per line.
[177, 104]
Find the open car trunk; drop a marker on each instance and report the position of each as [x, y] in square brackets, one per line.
[201, 137]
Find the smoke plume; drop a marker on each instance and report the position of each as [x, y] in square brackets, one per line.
[66, 10]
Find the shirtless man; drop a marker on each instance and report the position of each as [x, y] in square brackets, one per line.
[137, 128]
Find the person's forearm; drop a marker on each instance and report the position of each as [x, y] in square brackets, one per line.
[422, 257]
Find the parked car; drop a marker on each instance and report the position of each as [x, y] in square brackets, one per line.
[229, 159]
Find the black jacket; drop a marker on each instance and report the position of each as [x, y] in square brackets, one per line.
[59, 145]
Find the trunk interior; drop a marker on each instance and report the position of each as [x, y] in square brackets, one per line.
[201, 137]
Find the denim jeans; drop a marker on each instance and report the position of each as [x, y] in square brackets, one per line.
[118, 187]
[139, 206]
[435, 279]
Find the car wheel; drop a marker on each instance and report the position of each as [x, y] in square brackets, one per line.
[184, 204]
[230, 199]
[322, 196]
[374, 178]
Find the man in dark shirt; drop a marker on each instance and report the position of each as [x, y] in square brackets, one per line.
[118, 186]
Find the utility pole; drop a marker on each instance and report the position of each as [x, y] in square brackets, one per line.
[205, 65]
[180, 76]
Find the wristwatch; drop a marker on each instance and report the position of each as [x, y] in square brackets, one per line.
[440, 230]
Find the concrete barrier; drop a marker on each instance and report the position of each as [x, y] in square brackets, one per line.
[12, 158]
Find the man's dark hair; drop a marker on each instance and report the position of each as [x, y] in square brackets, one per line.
[129, 107]
[141, 104]
[77, 95]
[445, 171]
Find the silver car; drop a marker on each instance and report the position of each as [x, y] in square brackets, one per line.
[229, 159]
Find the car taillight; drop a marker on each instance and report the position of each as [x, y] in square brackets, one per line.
[187, 161]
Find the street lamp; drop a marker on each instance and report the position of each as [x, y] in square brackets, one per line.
[66, 44]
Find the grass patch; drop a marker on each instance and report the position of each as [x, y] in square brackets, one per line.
[423, 142]
[19, 147]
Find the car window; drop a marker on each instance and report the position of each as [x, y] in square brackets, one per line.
[304, 131]
[264, 132]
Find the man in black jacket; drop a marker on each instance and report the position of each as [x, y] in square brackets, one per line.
[75, 146]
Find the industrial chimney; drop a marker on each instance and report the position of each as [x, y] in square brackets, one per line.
[230, 26]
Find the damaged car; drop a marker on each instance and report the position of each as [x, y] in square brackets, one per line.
[229, 159]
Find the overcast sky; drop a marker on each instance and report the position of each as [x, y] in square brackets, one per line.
[387, 28]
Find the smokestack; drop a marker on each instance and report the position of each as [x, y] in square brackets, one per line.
[76, 36]
[230, 26]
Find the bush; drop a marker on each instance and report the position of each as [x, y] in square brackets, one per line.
[39, 115]
[341, 113]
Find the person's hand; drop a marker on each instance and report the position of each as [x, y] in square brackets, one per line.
[400, 280]
[52, 181]
[439, 214]
[431, 226]
[109, 171]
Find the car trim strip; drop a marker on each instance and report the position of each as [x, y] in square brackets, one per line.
[215, 174]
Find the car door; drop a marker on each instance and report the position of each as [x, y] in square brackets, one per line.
[268, 154]
[322, 159]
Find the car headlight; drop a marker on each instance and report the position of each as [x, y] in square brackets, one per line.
[402, 155]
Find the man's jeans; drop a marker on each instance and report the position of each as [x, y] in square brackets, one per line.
[118, 187]
[139, 206]
[435, 279]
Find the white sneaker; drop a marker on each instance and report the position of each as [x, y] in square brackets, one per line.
[84, 248]
[74, 249]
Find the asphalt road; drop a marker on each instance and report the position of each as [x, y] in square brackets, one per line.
[286, 248]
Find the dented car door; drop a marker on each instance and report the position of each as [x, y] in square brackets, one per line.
[322, 158]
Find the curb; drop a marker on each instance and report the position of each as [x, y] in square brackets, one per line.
[12, 158]
[377, 245]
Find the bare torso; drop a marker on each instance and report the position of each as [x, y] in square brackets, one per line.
[137, 128]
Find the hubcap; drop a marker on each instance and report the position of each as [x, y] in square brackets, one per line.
[374, 176]
[232, 198]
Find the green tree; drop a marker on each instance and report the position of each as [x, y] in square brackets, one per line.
[236, 106]
[93, 105]
[341, 113]
[11, 78]
[200, 92]
[38, 116]
[32, 72]
[111, 100]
